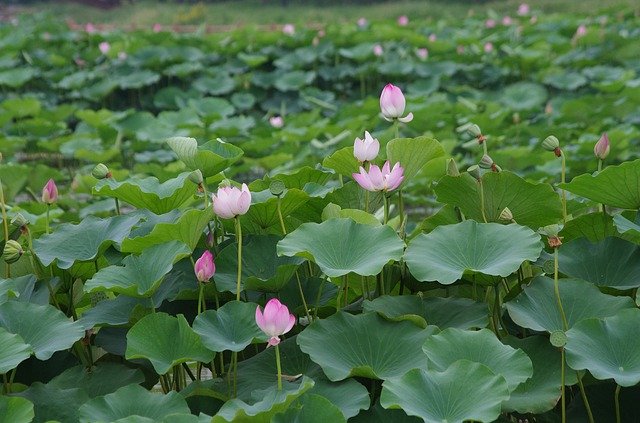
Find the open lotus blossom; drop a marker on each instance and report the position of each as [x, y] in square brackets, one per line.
[377, 50]
[433, 37]
[365, 150]
[392, 104]
[50, 192]
[506, 21]
[488, 47]
[601, 149]
[104, 47]
[205, 268]
[157, 27]
[362, 22]
[523, 9]
[230, 202]
[90, 28]
[490, 23]
[276, 121]
[377, 179]
[275, 321]
[289, 29]
[422, 53]
[581, 31]
[403, 20]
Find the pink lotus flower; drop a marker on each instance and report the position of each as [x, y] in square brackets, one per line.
[365, 150]
[122, 55]
[506, 21]
[90, 28]
[377, 50]
[422, 53]
[380, 179]
[601, 149]
[460, 49]
[488, 47]
[362, 22]
[403, 20]
[276, 121]
[104, 47]
[392, 104]
[523, 9]
[289, 29]
[50, 192]
[433, 37]
[490, 23]
[581, 31]
[533, 20]
[230, 202]
[157, 27]
[275, 321]
[205, 268]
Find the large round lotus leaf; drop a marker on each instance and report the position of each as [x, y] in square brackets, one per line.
[15, 410]
[536, 307]
[365, 345]
[149, 193]
[165, 341]
[348, 395]
[102, 379]
[461, 313]
[341, 246]
[139, 276]
[294, 81]
[592, 226]
[629, 230]
[446, 253]
[413, 153]
[53, 404]
[210, 158]
[607, 347]
[231, 327]
[263, 212]
[14, 350]
[270, 402]
[541, 392]
[612, 262]
[82, 242]
[342, 161]
[524, 96]
[379, 414]
[451, 345]
[262, 269]
[465, 391]
[132, 400]
[310, 408]
[616, 186]
[44, 328]
[532, 204]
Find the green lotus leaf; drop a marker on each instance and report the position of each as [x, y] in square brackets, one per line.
[616, 186]
[341, 246]
[365, 345]
[348, 395]
[264, 214]
[342, 161]
[523, 96]
[612, 262]
[438, 397]
[461, 313]
[210, 158]
[84, 241]
[607, 348]
[103, 378]
[53, 404]
[413, 153]
[536, 307]
[43, 327]
[14, 350]
[310, 408]
[450, 345]
[629, 230]
[232, 327]
[139, 276]
[294, 81]
[149, 193]
[165, 341]
[533, 205]
[593, 226]
[447, 252]
[16, 409]
[379, 414]
[132, 400]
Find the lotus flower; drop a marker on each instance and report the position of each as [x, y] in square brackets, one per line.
[392, 104]
[433, 37]
[403, 20]
[362, 22]
[104, 47]
[523, 9]
[50, 192]
[122, 55]
[490, 23]
[230, 202]
[488, 47]
[90, 28]
[377, 50]
[581, 31]
[157, 27]
[365, 150]
[377, 179]
[276, 121]
[601, 149]
[289, 29]
[275, 321]
[205, 268]
[506, 21]
[422, 53]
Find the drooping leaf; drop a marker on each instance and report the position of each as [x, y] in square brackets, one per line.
[413, 153]
[14, 350]
[16, 409]
[210, 158]
[310, 408]
[53, 404]
[232, 327]
[101, 379]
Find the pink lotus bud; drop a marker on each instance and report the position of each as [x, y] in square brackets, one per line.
[488, 47]
[432, 38]
[392, 104]
[104, 47]
[533, 20]
[601, 149]
[506, 21]
[80, 62]
[321, 33]
[490, 23]
[275, 321]
[90, 28]
[50, 192]
[205, 268]
[422, 53]
[581, 31]
[523, 9]
[289, 29]
[460, 49]
[403, 20]
[230, 202]
[377, 50]
[276, 121]
[367, 149]
[377, 179]
[157, 27]
[362, 22]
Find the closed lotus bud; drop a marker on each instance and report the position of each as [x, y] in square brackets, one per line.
[101, 171]
[601, 149]
[50, 192]
[19, 221]
[486, 162]
[277, 188]
[506, 214]
[196, 177]
[474, 171]
[452, 168]
[12, 251]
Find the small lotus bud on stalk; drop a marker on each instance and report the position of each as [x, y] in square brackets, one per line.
[476, 132]
[554, 241]
[601, 149]
[474, 171]
[21, 222]
[487, 163]
[196, 178]
[551, 143]
[101, 171]
[452, 168]
[506, 214]
[12, 251]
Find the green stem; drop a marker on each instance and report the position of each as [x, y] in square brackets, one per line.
[279, 208]
[617, 401]
[280, 370]
[556, 287]
[386, 208]
[585, 400]
[239, 240]
[234, 362]
[564, 193]
[496, 310]
[366, 201]
[562, 395]
[200, 297]
[396, 126]
[5, 223]
[315, 310]
[46, 227]
[117, 207]
[304, 300]
[601, 206]
[401, 211]
[481, 190]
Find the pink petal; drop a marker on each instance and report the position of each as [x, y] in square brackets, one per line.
[363, 180]
[376, 178]
[408, 118]
[292, 321]
[273, 341]
[260, 319]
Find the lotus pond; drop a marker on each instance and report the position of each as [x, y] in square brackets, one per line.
[375, 222]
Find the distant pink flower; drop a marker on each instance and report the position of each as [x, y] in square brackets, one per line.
[362, 22]
[392, 104]
[80, 62]
[205, 268]
[90, 28]
[460, 49]
[488, 47]
[581, 31]
[377, 179]
[122, 55]
[601, 149]
[422, 53]
[506, 21]
[46, 36]
[490, 23]
[321, 33]
[230, 202]
[289, 29]
[365, 150]
[104, 47]
[523, 9]
[50, 192]
[275, 321]
[276, 121]
[403, 20]
[377, 50]
[533, 20]
[432, 37]
[157, 27]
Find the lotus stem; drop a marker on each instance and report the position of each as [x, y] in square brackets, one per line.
[315, 310]
[117, 207]
[396, 126]
[556, 287]
[386, 208]
[481, 191]
[366, 201]
[239, 240]
[585, 400]
[601, 206]
[562, 380]
[280, 370]
[279, 208]
[564, 193]
[617, 401]
[401, 211]
[200, 298]
[46, 227]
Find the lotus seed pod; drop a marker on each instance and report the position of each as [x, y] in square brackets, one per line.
[474, 130]
[12, 251]
[486, 162]
[474, 171]
[558, 338]
[19, 221]
[550, 230]
[452, 168]
[196, 177]
[101, 171]
[506, 214]
[550, 143]
[277, 188]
